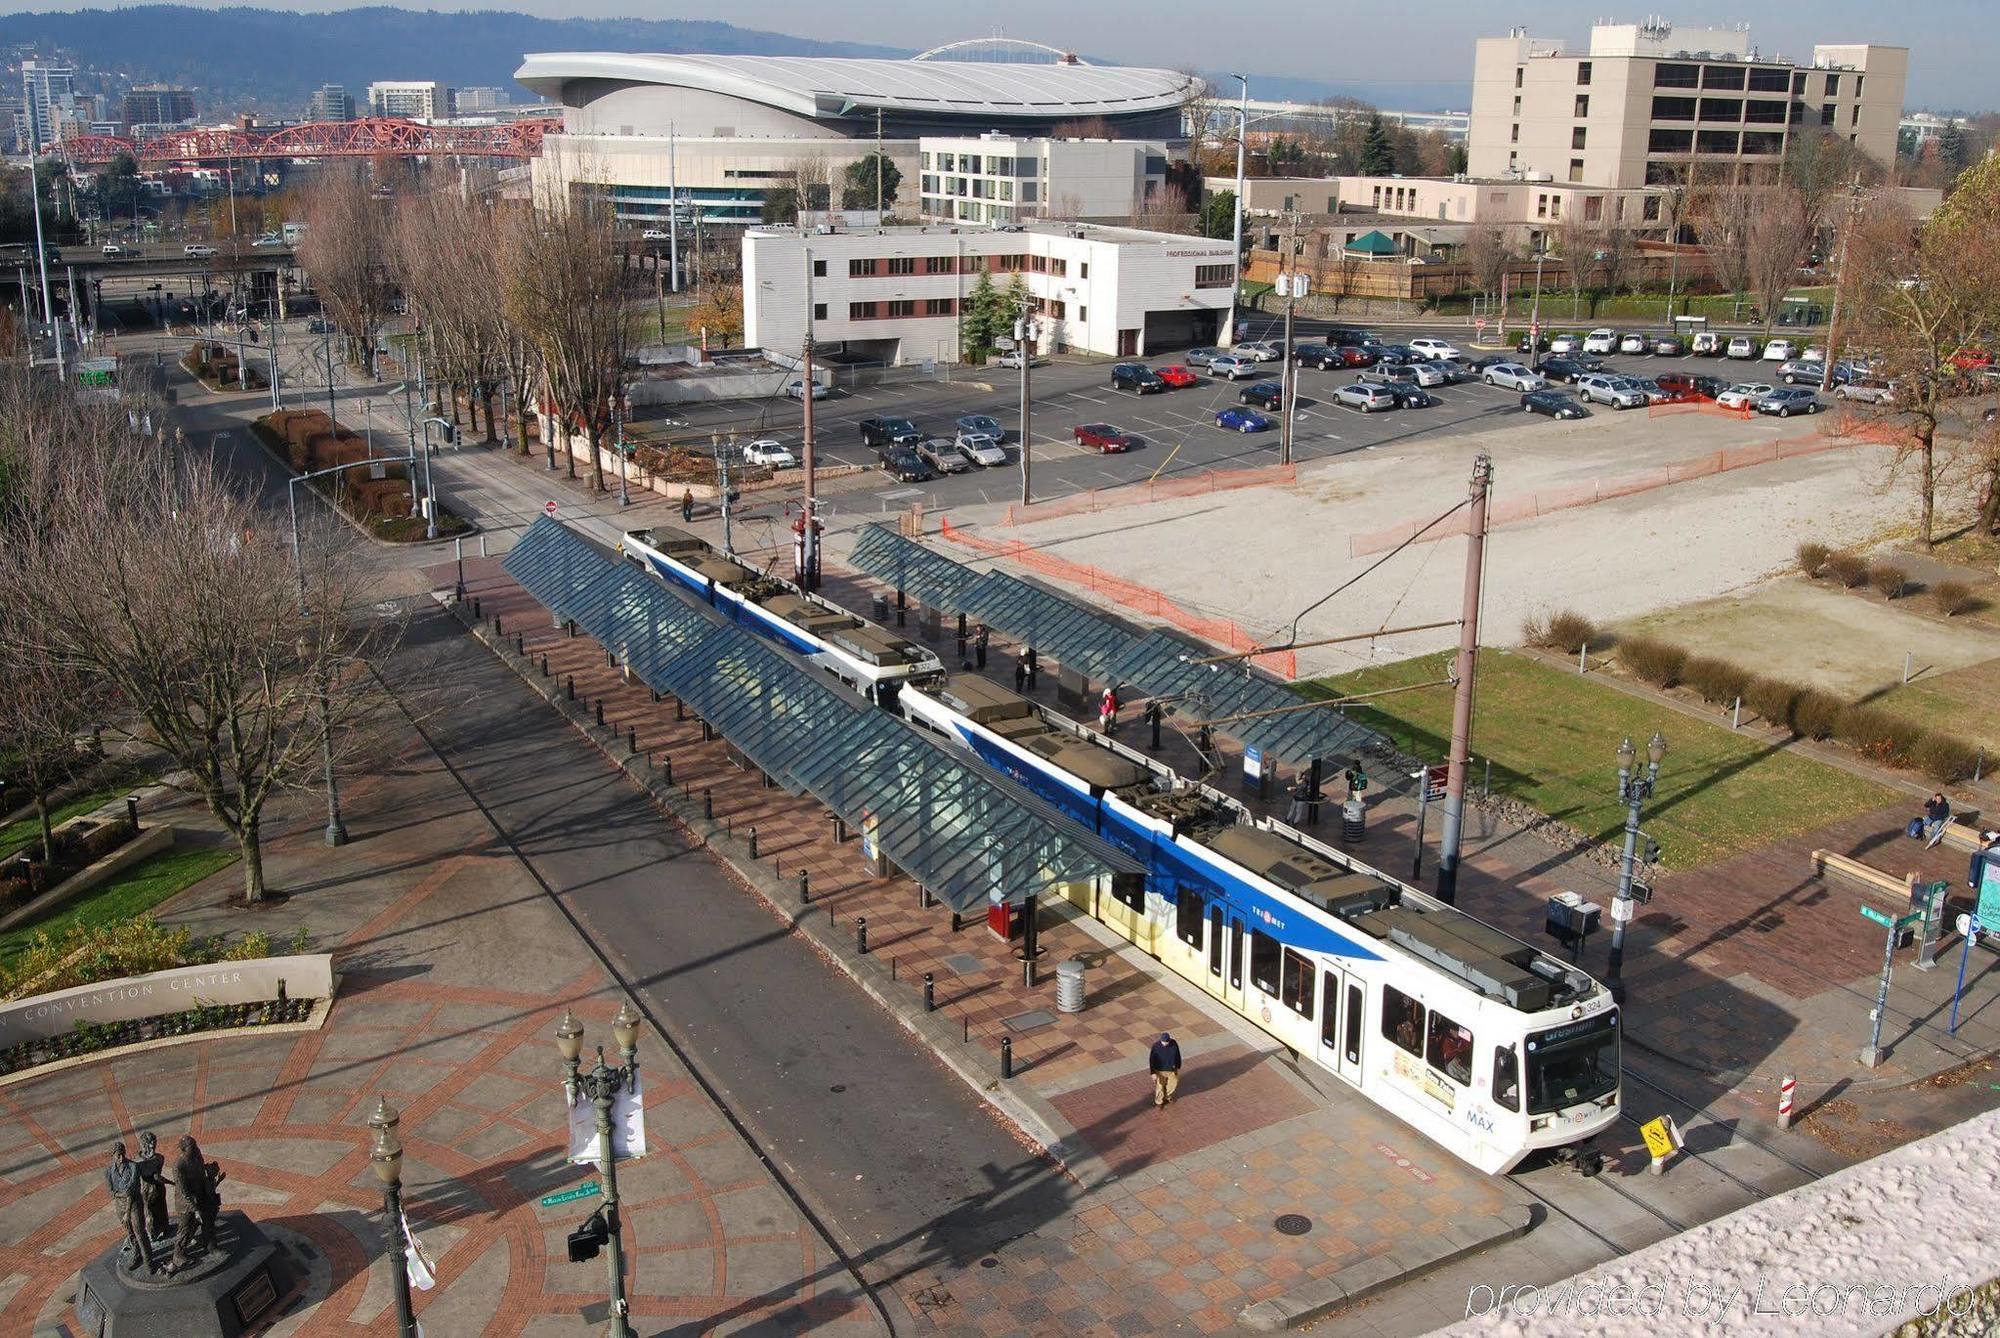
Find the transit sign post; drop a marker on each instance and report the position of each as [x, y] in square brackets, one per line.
[587, 1190]
[1871, 1054]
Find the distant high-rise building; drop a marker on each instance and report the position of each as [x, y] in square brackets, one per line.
[50, 92]
[157, 105]
[330, 103]
[420, 100]
[479, 99]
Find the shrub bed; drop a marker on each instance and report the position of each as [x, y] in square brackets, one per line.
[1657, 662]
[1847, 569]
[1953, 598]
[85, 954]
[1773, 700]
[1717, 681]
[1877, 735]
[1815, 714]
[1944, 759]
[1812, 557]
[1889, 579]
[86, 1037]
[25, 877]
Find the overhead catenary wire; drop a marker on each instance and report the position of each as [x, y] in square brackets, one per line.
[1432, 524]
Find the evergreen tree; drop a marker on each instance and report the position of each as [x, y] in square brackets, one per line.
[860, 189]
[984, 320]
[1378, 153]
[1218, 214]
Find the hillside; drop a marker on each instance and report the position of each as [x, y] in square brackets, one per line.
[273, 60]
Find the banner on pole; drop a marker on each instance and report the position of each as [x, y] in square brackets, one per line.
[628, 1126]
[423, 1273]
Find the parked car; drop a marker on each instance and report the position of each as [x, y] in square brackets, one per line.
[1706, 344]
[1199, 357]
[1635, 343]
[1311, 354]
[1801, 371]
[1242, 420]
[796, 389]
[889, 432]
[1560, 369]
[319, 325]
[1012, 358]
[197, 251]
[1670, 346]
[903, 464]
[654, 235]
[1175, 376]
[1601, 341]
[1433, 348]
[1259, 352]
[1554, 403]
[979, 424]
[1741, 347]
[1743, 395]
[1971, 359]
[1485, 360]
[1395, 353]
[1780, 350]
[981, 449]
[1424, 372]
[1690, 385]
[1358, 355]
[769, 451]
[1612, 390]
[1565, 343]
[1590, 362]
[1513, 376]
[1234, 366]
[1264, 395]
[1867, 390]
[1455, 370]
[942, 456]
[1367, 396]
[113, 249]
[1410, 396]
[269, 239]
[1136, 377]
[1654, 392]
[1525, 345]
[1103, 438]
[1788, 400]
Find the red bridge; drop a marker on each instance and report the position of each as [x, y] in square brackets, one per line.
[370, 137]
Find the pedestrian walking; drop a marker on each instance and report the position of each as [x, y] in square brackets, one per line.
[687, 505]
[1020, 674]
[1937, 814]
[1107, 711]
[1988, 853]
[1165, 1063]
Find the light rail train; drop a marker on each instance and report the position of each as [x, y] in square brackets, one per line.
[1489, 1046]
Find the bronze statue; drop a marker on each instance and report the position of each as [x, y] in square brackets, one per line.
[197, 1198]
[153, 1187]
[122, 1179]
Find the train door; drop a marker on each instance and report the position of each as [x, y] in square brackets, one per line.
[1341, 1026]
[1214, 980]
[1238, 947]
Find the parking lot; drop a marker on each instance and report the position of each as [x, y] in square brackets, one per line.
[1175, 429]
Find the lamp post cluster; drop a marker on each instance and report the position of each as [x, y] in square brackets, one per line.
[1634, 789]
[601, 1085]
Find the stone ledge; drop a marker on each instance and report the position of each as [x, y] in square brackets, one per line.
[1320, 1297]
[150, 841]
[313, 1022]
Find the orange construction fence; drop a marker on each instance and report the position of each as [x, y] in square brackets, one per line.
[1152, 490]
[1130, 594]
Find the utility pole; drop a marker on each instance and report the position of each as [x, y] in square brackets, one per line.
[332, 416]
[1461, 707]
[41, 248]
[722, 454]
[1839, 282]
[1288, 377]
[1236, 232]
[673, 217]
[879, 173]
[806, 555]
[1024, 344]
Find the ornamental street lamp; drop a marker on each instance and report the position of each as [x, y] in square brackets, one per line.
[1633, 789]
[387, 1159]
[601, 1085]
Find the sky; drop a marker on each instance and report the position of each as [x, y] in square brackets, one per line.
[1953, 43]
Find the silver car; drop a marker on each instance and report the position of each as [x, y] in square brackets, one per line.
[1513, 376]
[1611, 390]
[1234, 366]
[1259, 352]
[981, 449]
[1365, 396]
[942, 456]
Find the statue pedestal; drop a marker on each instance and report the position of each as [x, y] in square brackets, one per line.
[236, 1287]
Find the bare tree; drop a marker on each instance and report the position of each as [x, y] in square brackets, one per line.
[1722, 214]
[1488, 251]
[450, 255]
[1166, 210]
[1613, 250]
[1577, 240]
[347, 253]
[566, 292]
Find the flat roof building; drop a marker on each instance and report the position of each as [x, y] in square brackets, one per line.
[995, 178]
[417, 99]
[898, 294]
[1645, 103]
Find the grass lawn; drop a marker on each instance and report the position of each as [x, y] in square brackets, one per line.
[132, 893]
[18, 835]
[1553, 737]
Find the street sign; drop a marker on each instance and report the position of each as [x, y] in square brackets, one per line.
[587, 1190]
[1888, 921]
[548, 508]
[1659, 1138]
[1434, 780]
[1479, 326]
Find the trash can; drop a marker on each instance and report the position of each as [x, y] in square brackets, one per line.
[880, 610]
[1069, 986]
[1004, 920]
[1353, 820]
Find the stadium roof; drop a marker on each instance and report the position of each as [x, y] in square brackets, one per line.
[824, 86]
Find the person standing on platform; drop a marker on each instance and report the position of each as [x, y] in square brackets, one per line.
[1165, 1063]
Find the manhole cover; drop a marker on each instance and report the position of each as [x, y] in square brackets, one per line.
[989, 1262]
[964, 963]
[837, 1088]
[1041, 1017]
[1293, 1224]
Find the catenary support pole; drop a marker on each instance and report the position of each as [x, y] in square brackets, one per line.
[1464, 672]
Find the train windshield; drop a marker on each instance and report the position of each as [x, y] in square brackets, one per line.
[1570, 1065]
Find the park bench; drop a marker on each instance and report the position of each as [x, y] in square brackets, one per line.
[1960, 837]
[1828, 862]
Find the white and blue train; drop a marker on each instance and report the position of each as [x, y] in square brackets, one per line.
[1484, 1043]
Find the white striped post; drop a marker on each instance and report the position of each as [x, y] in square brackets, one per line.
[1786, 1090]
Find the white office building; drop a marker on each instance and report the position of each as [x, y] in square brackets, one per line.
[897, 294]
[49, 92]
[996, 178]
[419, 100]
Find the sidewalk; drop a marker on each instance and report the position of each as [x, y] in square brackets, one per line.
[1174, 1224]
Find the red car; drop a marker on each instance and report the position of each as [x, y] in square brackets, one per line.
[1103, 437]
[1175, 376]
[1971, 359]
[1351, 356]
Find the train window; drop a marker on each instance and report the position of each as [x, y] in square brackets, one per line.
[1329, 1028]
[1187, 917]
[1507, 1077]
[1129, 891]
[1215, 940]
[1402, 1020]
[1450, 1049]
[1264, 958]
[1353, 1047]
[1295, 985]
[1235, 954]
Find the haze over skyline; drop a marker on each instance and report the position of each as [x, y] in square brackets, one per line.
[1952, 46]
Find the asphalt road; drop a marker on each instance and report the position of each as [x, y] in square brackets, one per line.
[909, 1169]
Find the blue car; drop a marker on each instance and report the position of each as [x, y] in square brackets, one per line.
[1242, 420]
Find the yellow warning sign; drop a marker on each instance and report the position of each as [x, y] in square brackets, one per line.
[1659, 1137]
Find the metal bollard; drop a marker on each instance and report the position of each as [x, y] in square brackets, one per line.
[861, 934]
[930, 993]
[957, 922]
[569, 687]
[521, 644]
[1028, 971]
[545, 664]
[1785, 1091]
[753, 843]
[667, 768]
[924, 899]
[569, 627]
[1006, 1056]
[598, 703]
[132, 810]
[498, 630]
[477, 616]
[632, 739]
[805, 889]
[708, 803]
[680, 709]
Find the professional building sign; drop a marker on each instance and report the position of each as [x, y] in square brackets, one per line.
[307, 976]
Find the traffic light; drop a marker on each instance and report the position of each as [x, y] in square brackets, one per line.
[588, 1239]
[1652, 851]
